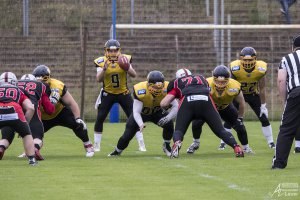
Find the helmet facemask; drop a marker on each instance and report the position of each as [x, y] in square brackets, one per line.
[112, 53]
[221, 82]
[248, 62]
[156, 89]
[44, 79]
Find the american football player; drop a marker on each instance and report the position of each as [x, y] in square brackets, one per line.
[146, 107]
[12, 103]
[251, 73]
[193, 92]
[114, 90]
[67, 112]
[223, 91]
[36, 92]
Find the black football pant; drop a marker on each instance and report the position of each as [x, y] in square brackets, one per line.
[254, 102]
[36, 127]
[107, 101]
[132, 127]
[230, 116]
[200, 110]
[290, 122]
[66, 119]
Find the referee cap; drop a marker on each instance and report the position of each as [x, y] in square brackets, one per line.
[296, 41]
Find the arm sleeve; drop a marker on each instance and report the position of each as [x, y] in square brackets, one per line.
[137, 110]
[174, 109]
[49, 108]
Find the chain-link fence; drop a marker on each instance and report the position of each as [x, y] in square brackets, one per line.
[67, 35]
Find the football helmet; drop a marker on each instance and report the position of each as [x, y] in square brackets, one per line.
[42, 73]
[183, 72]
[8, 77]
[221, 77]
[156, 83]
[248, 58]
[112, 49]
[296, 42]
[28, 77]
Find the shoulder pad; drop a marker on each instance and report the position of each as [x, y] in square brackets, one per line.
[99, 61]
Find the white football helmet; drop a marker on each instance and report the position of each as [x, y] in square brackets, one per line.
[183, 72]
[28, 77]
[8, 77]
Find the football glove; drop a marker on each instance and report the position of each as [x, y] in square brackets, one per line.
[80, 122]
[263, 110]
[239, 121]
[54, 97]
[163, 121]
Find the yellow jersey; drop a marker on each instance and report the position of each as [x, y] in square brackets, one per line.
[57, 86]
[115, 78]
[151, 104]
[249, 81]
[222, 100]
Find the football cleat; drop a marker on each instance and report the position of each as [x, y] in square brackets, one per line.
[222, 146]
[32, 161]
[142, 146]
[97, 147]
[22, 155]
[114, 153]
[175, 149]
[167, 148]
[297, 150]
[238, 151]
[193, 147]
[2, 150]
[89, 150]
[248, 150]
[272, 145]
[38, 155]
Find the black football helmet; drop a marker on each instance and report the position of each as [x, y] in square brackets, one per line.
[156, 83]
[221, 77]
[248, 58]
[112, 49]
[41, 72]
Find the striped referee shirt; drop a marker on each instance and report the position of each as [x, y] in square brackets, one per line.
[291, 63]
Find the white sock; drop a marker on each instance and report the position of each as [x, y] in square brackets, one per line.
[196, 140]
[139, 136]
[267, 131]
[167, 141]
[246, 146]
[221, 141]
[297, 143]
[97, 137]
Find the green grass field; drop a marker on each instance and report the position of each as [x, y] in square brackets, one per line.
[208, 174]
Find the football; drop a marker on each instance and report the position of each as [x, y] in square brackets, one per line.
[123, 62]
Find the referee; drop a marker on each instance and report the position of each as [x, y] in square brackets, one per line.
[288, 82]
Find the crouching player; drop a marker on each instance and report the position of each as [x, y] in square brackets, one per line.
[146, 107]
[223, 91]
[12, 102]
[36, 92]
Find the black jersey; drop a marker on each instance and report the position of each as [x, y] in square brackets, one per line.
[189, 85]
[10, 93]
[33, 89]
